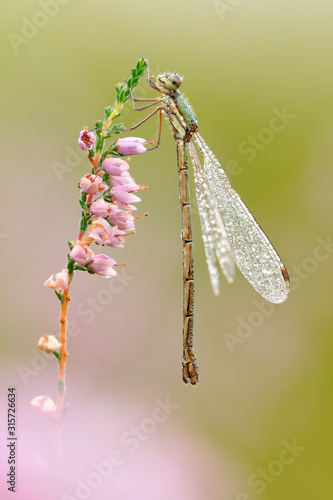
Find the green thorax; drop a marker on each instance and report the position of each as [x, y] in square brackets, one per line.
[187, 111]
[181, 117]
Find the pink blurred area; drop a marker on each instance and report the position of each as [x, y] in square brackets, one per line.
[114, 447]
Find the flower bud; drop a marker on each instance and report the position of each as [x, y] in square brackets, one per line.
[92, 184]
[124, 220]
[81, 253]
[48, 343]
[130, 145]
[123, 195]
[103, 265]
[102, 208]
[115, 166]
[44, 404]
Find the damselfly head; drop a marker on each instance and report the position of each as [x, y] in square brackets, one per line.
[169, 81]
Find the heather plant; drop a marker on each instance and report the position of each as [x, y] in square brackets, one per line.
[107, 201]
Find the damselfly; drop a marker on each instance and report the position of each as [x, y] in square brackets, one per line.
[230, 232]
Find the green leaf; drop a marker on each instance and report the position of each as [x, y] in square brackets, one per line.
[127, 94]
[133, 81]
[60, 297]
[79, 268]
[70, 244]
[119, 88]
[107, 112]
[99, 143]
[83, 224]
[57, 355]
[116, 115]
[98, 125]
[107, 198]
[83, 204]
[70, 264]
[139, 70]
[108, 134]
[103, 156]
[107, 181]
[118, 127]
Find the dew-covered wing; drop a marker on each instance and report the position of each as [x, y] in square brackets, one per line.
[252, 251]
[215, 238]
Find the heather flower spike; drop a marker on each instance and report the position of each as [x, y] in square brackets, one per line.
[106, 194]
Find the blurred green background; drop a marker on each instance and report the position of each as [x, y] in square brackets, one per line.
[243, 62]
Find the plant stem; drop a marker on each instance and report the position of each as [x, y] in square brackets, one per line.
[111, 117]
[63, 350]
[95, 161]
[62, 372]
[63, 323]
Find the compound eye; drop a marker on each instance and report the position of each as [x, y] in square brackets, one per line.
[173, 82]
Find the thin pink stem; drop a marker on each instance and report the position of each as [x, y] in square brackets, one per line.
[62, 372]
